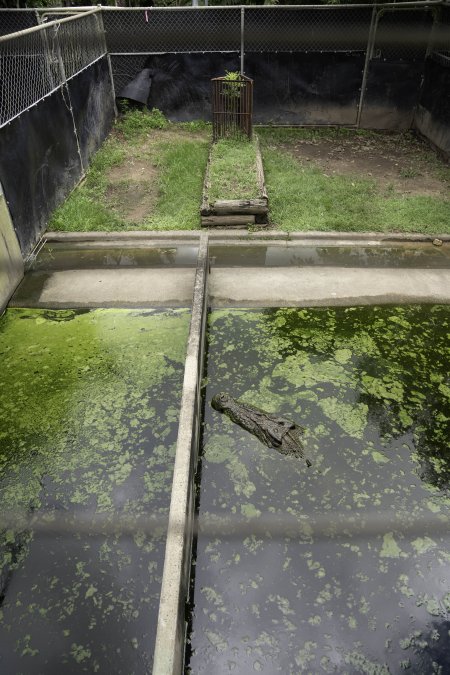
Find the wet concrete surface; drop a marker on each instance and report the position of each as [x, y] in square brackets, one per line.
[108, 274]
[312, 286]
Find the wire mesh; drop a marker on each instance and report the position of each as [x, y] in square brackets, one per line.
[403, 34]
[31, 64]
[175, 31]
[25, 74]
[12, 20]
[80, 42]
[441, 37]
[306, 29]
[125, 69]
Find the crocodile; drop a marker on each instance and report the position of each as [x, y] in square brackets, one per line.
[272, 430]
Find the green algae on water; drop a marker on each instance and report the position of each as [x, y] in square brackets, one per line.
[370, 386]
[88, 419]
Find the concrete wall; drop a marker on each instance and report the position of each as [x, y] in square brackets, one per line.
[432, 116]
[11, 265]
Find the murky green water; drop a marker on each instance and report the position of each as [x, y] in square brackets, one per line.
[372, 387]
[56, 256]
[406, 255]
[89, 406]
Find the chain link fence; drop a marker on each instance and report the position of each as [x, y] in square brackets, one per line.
[180, 30]
[441, 37]
[13, 20]
[305, 29]
[403, 34]
[35, 63]
[390, 33]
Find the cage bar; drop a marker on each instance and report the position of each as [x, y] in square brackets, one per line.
[232, 107]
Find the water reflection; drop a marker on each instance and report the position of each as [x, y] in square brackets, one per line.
[291, 255]
[54, 257]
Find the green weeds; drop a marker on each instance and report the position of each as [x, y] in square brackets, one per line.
[134, 123]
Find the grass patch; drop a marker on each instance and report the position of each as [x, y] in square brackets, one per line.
[306, 198]
[173, 156]
[233, 173]
[182, 165]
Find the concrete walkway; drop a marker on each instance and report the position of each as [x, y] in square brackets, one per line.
[234, 285]
[107, 288]
[313, 286]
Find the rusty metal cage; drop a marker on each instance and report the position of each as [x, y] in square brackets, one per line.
[232, 107]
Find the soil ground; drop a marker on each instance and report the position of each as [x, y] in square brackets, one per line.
[133, 186]
[132, 189]
[400, 162]
[149, 175]
[347, 180]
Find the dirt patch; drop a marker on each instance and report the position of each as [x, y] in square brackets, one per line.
[132, 189]
[133, 170]
[396, 162]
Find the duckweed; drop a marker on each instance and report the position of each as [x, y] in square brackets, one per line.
[88, 425]
[370, 384]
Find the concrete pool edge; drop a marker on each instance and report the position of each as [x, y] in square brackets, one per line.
[239, 235]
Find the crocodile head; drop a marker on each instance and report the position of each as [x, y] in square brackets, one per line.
[221, 401]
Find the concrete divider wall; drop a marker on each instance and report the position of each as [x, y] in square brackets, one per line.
[432, 116]
[171, 629]
[11, 265]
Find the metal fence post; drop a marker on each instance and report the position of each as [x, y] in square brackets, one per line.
[432, 38]
[101, 27]
[369, 50]
[242, 38]
[64, 85]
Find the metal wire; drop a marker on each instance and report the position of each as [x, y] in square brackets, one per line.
[178, 31]
[34, 63]
[12, 20]
[441, 37]
[311, 29]
[125, 69]
[37, 61]
[403, 34]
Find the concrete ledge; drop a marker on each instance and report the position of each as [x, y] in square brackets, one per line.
[244, 234]
[364, 236]
[315, 286]
[107, 288]
[144, 235]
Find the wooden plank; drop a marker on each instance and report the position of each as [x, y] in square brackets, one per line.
[205, 208]
[239, 206]
[260, 171]
[227, 221]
